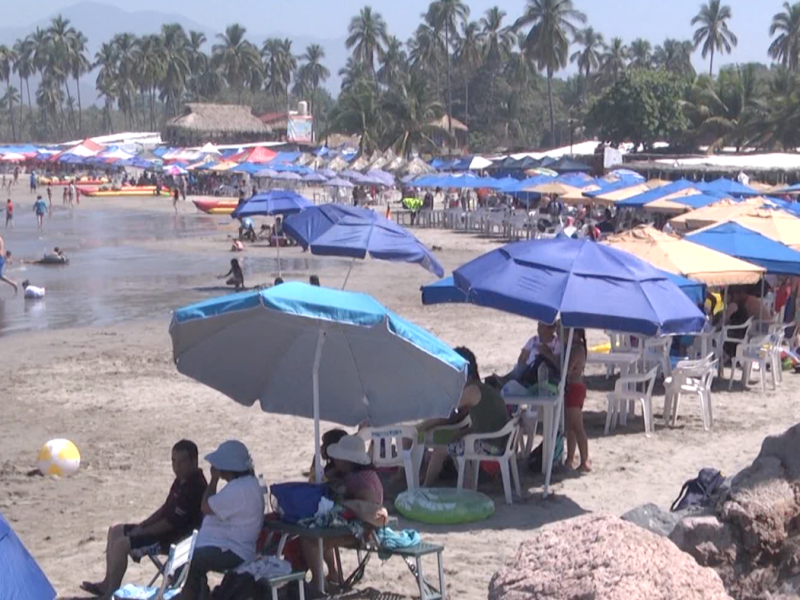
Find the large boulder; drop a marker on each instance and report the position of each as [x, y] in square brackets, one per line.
[602, 557]
[653, 518]
[753, 540]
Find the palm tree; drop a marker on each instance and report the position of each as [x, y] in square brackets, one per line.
[676, 57]
[78, 66]
[49, 98]
[59, 60]
[236, 57]
[367, 36]
[425, 51]
[615, 58]
[197, 60]
[447, 14]
[589, 56]
[280, 63]
[150, 69]
[358, 112]
[786, 47]
[9, 99]
[106, 82]
[497, 42]
[353, 72]
[24, 65]
[496, 39]
[124, 45]
[394, 63]
[7, 59]
[469, 56]
[547, 42]
[175, 47]
[713, 32]
[641, 54]
[411, 108]
[313, 69]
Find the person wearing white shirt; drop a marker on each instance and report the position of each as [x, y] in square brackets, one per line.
[233, 518]
[32, 292]
[544, 343]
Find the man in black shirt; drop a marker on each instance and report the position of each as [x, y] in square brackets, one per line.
[175, 520]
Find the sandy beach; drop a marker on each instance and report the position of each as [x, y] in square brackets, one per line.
[114, 391]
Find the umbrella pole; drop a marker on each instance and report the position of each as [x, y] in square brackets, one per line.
[346, 277]
[318, 471]
[559, 411]
[278, 246]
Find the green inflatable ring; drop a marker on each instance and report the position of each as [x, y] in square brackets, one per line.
[444, 506]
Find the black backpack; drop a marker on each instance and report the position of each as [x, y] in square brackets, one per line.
[698, 492]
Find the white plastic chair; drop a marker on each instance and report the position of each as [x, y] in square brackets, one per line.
[394, 447]
[180, 555]
[655, 351]
[756, 352]
[626, 390]
[507, 461]
[725, 336]
[690, 377]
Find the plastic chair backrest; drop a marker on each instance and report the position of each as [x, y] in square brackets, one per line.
[388, 443]
[513, 427]
[180, 554]
[651, 381]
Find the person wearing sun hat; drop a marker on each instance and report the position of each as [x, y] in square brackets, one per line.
[233, 518]
[359, 481]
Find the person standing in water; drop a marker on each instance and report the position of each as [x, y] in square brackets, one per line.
[9, 213]
[40, 208]
[4, 257]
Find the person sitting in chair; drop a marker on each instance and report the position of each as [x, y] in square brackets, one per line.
[487, 411]
[174, 521]
[233, 519]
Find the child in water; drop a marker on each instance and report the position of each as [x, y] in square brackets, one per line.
[235, 275]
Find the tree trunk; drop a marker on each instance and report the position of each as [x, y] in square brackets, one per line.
[449, 91]
[466, 100]
[711, 64]
[80, 107]
[11, 110]
[550, 103]
[28, 87]
[21, 104]
[69, 101]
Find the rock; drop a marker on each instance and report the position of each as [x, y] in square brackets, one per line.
[602, 557]
[706, 538]
[653, 518]
[754, 540]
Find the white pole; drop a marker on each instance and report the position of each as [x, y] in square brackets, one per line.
[317, 450]
[559, 410]
[315, 386]
[346, 277]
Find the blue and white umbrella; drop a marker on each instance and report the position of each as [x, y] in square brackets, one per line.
[320, 353]
[354, 232]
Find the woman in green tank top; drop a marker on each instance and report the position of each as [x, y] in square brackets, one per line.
[487, 411]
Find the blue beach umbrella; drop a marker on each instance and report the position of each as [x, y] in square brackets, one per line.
[586, 285]
[20, 575]
[319, 353]
[736, 240]
[275, 202]
[353, 232]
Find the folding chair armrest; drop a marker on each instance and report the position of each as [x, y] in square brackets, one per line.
[508, 429]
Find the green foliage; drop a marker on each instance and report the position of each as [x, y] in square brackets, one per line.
[642, 107]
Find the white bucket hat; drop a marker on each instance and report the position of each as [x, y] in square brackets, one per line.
[231, 456]
[350, 448]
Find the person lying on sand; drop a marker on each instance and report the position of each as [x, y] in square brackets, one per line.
[176, 519]
[235, 275]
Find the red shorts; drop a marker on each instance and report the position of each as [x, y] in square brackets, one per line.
[575, 395]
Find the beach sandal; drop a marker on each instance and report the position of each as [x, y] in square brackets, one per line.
[92, 588]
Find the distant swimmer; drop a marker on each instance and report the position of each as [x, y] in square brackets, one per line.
[235, 275]
[56, 257]
[32, 292]
[5, 257]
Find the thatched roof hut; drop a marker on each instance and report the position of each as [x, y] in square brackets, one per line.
[221, 123]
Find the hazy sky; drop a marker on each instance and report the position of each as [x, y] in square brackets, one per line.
[651, 19]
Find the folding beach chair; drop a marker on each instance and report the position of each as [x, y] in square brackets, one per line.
[175, 573]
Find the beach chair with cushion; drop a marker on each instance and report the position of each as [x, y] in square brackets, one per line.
[175, 572]
[507, 460]
[636, 389]
[394, 446]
